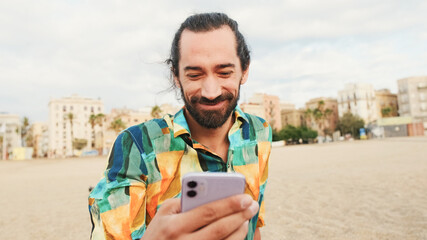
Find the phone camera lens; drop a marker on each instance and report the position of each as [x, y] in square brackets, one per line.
[192, 184]
[191, 193]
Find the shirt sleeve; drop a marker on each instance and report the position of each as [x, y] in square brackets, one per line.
[117, 203]
[264, 150]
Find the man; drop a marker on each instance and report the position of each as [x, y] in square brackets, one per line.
[139, 196]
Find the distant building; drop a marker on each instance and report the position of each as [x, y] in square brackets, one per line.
[358, 99]
[294, 117]
[387, 104]
[10, 134]
[412, 98]
[254, 109]
[128, 116]
[61, 127]
[329, 122]
[265, 106]
[40, 139]
[287, 106]
[396, 127]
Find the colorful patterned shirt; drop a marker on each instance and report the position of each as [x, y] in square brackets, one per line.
[147, 161]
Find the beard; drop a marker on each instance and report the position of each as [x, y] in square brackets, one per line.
[211, 119]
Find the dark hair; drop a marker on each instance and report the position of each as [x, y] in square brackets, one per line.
[205, 22]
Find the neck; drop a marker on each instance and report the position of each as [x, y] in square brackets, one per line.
[215, 139]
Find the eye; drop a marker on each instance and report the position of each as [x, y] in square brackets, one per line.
[225, 74]
[194, 76]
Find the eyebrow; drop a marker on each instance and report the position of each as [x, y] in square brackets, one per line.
[220, 66]
[225, 66]
[192, 68]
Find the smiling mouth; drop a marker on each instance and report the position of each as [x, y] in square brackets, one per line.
[212, 105]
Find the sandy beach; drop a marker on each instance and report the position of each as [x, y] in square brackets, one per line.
[375, 189]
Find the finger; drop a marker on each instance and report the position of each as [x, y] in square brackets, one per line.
[225, 226]
[240, 233]
[170, 206]
[213, 211]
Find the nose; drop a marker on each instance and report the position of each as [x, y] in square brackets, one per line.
[211, 88]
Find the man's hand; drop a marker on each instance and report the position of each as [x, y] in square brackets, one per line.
[223, 219]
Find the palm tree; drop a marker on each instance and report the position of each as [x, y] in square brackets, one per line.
[327, 114]
[117, 125]
[70, 117]
[320, 115]
[92, 122]
[307, 115]
[156, 111]
[24, 130]
[99, 119]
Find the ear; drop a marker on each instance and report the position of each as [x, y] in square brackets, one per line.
[245, 76]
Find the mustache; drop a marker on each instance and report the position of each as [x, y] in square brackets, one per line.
[202, 100]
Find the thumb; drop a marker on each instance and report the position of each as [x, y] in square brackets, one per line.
[170, 206]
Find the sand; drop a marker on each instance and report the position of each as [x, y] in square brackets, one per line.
[374, 189]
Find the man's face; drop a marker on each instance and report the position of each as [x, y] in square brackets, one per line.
[210, 75]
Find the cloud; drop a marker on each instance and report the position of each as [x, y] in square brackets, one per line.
[292, 20]
[115, 50]
[300, 71]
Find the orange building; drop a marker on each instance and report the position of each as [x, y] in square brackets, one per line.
[294, 117]
[265, 106]
[329, 123]
[386, 103]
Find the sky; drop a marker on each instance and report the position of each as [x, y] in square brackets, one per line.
[115, 50]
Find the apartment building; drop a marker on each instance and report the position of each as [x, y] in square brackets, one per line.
[69, 120]
[412, 98]
[254, 109]
[128, 116]
[287, 106]
[387, 104]
[329, 121]
[290, 115]
[294, 117]
[358, 99]
[10, 134]
[265, 106]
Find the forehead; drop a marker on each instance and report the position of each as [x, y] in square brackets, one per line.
[213, 47]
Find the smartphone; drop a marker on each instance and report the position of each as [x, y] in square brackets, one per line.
[205, 187]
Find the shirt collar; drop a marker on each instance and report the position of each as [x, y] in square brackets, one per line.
[240, 114]
[180, 125]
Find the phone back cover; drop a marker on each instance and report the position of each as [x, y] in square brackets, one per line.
[210, 187]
